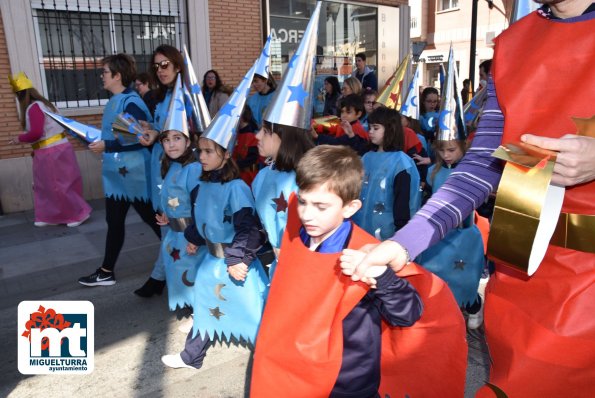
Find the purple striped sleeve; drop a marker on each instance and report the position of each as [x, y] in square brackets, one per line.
[476, 176]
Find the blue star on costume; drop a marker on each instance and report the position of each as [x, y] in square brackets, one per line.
[298, 94]
[195, 89]
[293, 59]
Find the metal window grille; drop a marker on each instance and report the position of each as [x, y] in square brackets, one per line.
[73, 37]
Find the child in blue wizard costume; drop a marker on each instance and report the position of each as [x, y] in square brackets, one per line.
[230, 283]
[284, 138]
[167, 65]
[390, 191]
[180, 172]
[264, 84]
[458, 258]
[125, 168]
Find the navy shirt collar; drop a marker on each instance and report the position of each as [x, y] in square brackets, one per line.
[334, 243]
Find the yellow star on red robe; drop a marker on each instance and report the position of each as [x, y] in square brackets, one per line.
[280, 203]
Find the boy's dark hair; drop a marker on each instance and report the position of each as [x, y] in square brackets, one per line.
[486, 66]
[230, 170]
[353, 101]
[175, 57]
[144, 78]
[123, 64]
[338, 166]
[295, 142]
[361, 55]
[390, 119]
[186, 158]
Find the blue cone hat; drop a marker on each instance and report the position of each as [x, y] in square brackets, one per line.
[292, 102]
[224, 127]
[200, 115]
[77, 129]
[410, 107]
[264, 61]
[450, 120]
[176, 111]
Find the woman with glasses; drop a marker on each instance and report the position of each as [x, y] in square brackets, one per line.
[212, 90]
[125, 168]
[167, 62]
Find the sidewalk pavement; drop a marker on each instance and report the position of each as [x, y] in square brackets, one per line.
[131, 333]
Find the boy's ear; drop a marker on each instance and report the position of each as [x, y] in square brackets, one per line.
[359, 114]
[351, 208]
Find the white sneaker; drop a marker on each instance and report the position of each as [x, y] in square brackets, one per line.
[77, 223]
[42, 224]
[475, 320]
[175, 361]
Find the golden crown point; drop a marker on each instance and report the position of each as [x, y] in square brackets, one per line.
[20, 82]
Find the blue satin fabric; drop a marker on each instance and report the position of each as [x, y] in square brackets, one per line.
[376, 215]
[458, 258]
[268, 186]
[125, 174]
[222, 305]
[180, 268]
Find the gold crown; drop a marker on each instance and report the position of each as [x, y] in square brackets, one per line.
[20, 82]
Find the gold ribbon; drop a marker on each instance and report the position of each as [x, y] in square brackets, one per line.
[527, 210]
[49, 141]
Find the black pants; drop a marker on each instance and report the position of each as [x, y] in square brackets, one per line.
[195, 349]
[115, 216]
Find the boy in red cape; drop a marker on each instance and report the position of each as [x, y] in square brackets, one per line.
[322, 334]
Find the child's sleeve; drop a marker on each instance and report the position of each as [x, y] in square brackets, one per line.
[397, 300]
[247, 239]
[36, 122]
[191, 233]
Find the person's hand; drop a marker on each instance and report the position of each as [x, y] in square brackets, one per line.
[351, 258]
[387, 252]
[420, 160]
[238, 271]
[313, 133]
[14, 141]
[575, 162]
[191, 248]
[149, 135]
[162, 219]
[347, 128]
[97, 147]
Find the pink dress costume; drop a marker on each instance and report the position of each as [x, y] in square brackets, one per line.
[57, 182]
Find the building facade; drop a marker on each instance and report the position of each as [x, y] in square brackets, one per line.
[59, 45]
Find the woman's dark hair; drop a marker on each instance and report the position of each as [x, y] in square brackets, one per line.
[334, 82]
[230, 170]
[27, 97]
[390, 119]
[186, 158]
[424, 94]
[218, 82]
[175, 57]
[123, 64]
[295, 142]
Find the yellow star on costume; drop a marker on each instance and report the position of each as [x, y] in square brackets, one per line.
[173, 202]
[585, 127]
[216, 312]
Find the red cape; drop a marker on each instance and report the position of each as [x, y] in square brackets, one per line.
[300, 342]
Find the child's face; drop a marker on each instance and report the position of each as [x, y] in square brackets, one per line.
[210, 157]
[350, 115]
[322, 211]
[259, 84]
[369, 102]
[451, 152]
[175, 144]
[376, 134]
[268, 143]
[431, 102]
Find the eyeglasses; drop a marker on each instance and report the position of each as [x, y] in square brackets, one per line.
[163, 64]
[211, 78]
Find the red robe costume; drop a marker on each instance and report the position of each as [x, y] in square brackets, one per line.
[300, 342]
[541, 329]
